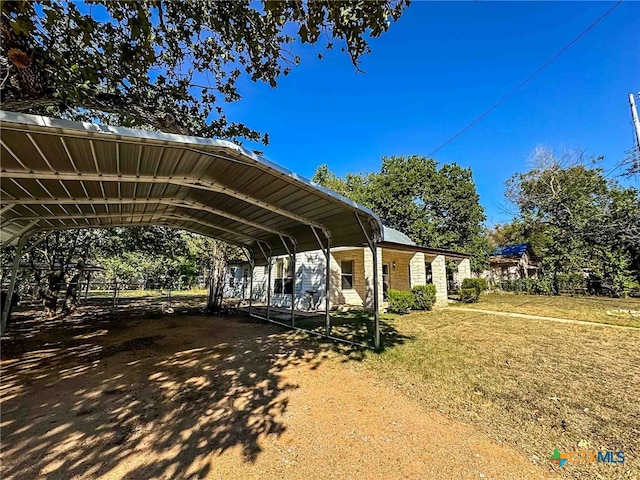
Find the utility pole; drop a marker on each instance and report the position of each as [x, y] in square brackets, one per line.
[634, 115]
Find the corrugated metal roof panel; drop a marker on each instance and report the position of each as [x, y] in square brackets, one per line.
[72, 173]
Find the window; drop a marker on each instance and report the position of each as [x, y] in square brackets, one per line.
[232, 276]
[283, 278]
[347, 274]
[428, 272]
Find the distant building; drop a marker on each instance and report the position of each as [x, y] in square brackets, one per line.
[511, 262]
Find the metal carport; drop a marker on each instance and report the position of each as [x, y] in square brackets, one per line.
[57, 174]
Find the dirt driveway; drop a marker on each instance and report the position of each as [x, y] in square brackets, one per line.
[194, 396]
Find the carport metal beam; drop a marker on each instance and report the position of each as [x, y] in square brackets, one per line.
[6, 208]
[99, 216]
[163, 223]
[184, 182]
[143, 201]
[21, 232]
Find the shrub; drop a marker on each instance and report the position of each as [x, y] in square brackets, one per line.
[469, 294]
[533, 286]
[480, 284]
[541, 286]
[571, 283]
[399, 301]
[471, 289]
[424, 296]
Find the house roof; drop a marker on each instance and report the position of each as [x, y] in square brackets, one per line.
[515, 250]
[397, 240]
[395, 236]
[58, 174]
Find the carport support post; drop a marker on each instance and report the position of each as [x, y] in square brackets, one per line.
[293, 286]
[327, 318]
[269, 288]
[12, 284]
[373, 245]
[251, 265]
[376, 300]
[86, 289]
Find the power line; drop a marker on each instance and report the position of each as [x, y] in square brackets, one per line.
[528, 79]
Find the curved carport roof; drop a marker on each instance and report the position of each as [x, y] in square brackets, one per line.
[58, 174]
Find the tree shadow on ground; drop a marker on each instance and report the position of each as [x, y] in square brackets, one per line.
[356, 326]
[81, 396]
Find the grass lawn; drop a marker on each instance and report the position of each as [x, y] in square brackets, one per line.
[593, 309]
[532, 384]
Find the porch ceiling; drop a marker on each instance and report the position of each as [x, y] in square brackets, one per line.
[430, 253]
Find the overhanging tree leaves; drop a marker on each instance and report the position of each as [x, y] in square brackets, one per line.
[167, 65]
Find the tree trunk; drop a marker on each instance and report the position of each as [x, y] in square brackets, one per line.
[216, 287]
[214, 302]
[50, 296]
[71, 297]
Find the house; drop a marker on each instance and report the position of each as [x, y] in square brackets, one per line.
[511, 262]
[402, 264]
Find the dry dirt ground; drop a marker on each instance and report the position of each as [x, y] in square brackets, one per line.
[195, 396]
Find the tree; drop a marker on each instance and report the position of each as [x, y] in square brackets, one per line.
[57, 263]
[577, 218]
[213, 257]
[167, 65]
[145, 256]
[435, 205]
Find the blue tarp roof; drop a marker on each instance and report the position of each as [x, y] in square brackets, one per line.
[515, 250]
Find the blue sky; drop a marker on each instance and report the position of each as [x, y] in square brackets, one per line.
[440, 66]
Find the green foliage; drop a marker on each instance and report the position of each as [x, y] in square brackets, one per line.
[132, 258]
[468, 294]
[573, 283]
[471, 289]
[400, 301]
[480, 284]
[532, 286]
[147, 257]
[424, 296]
[167, 65]
[437, 206]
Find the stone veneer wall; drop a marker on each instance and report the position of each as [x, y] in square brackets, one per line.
[418, 270]
[464, 270]
[439, 271]
[399, 276]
